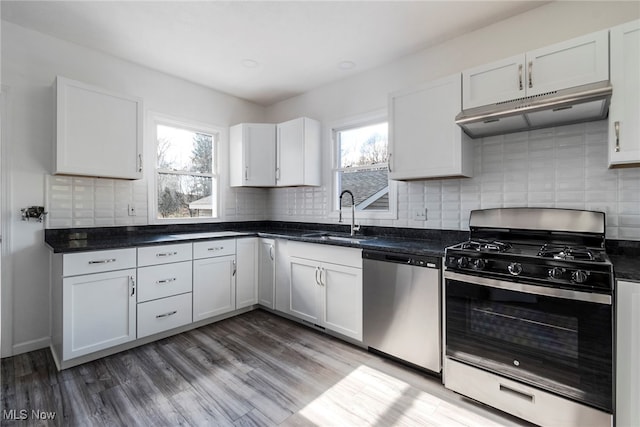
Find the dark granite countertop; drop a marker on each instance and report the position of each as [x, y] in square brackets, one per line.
[414, 241]
[625, 255]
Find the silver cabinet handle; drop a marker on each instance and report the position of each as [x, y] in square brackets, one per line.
[323, 272]
[278, 154]
[102, 261]
[163, 254]
[216, 248]
[139, 162]
[171, 313]
[164, 281]
[389, 162]
[616, 127]
[271, 252]
[235, 268]
[317, 271]
[132, 281]
[520, 77]
[530, 74]
[246, 173]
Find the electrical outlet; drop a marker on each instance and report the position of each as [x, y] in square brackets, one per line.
[131, 209]
[420, 214]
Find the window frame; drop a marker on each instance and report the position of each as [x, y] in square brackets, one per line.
[218, 133]
[361, 120]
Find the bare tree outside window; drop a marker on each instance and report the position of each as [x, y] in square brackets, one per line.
[363, 166]
[185, 173]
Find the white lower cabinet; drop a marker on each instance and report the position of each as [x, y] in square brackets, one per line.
[325, 293]
[99, 311]
[164, 314]
[627, 350]
[247, 272]
[214, 286]
[266, 273]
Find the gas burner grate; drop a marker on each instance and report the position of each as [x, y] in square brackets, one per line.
[567, 253]
[486, 245]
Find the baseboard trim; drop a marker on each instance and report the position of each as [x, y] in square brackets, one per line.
[32, 345]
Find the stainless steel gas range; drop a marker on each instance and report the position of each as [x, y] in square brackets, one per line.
[529, 315]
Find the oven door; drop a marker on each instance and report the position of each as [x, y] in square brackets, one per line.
[558, 340]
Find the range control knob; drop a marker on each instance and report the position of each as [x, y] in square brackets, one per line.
[478, 264]
[579, 276]
[515, 268]
[463, 262]
[556, 272]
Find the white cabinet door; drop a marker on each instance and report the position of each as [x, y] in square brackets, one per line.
[571, 63]
[98, 312]
[247, 272]
[283, 275]
[342, 305]
[627, 350]
[98, 133]
[252, 154]
[304, 292]
[298, 153]
[266, 273]
[575, 62]
[624, 112]
[424, 140]
[491, 83]
[214, 286]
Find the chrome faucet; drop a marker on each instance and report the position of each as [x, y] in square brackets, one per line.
[354, 227]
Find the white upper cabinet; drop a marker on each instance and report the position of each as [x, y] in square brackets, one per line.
[252, 154]
[575, 62]
[424, 140]
[98, 133]
[282, 155]
[491, 83]
[624, 112]
[298, 153]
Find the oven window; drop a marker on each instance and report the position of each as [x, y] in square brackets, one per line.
[521, 326]
[560, 345]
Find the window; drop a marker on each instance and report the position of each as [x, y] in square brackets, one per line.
[361, 166]
[185, 172]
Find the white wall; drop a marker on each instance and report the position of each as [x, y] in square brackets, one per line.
[507, 170]
[30, 62]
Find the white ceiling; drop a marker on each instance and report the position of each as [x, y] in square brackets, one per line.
[298, 45]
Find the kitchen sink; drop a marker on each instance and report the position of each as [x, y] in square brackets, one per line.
[337, 237]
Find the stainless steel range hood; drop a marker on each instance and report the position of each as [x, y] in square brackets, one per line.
[574, 105]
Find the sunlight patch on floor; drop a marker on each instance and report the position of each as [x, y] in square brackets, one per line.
[367, 396]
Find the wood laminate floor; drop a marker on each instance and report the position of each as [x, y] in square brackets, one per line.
[256, 369]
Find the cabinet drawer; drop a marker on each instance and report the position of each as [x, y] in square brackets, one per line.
[98, 261]
[517, 399]
[153, 255]
[164, 314]
[213, 248]
[160, 281]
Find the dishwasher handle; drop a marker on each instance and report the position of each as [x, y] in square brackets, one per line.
[402, 258]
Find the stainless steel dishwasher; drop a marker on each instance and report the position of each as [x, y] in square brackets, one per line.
[402, 307]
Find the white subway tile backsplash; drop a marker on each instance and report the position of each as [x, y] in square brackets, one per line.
[556, 167]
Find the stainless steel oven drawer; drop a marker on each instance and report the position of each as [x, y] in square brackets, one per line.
[520, 400]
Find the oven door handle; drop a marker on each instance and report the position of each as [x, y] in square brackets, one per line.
[530, 289]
